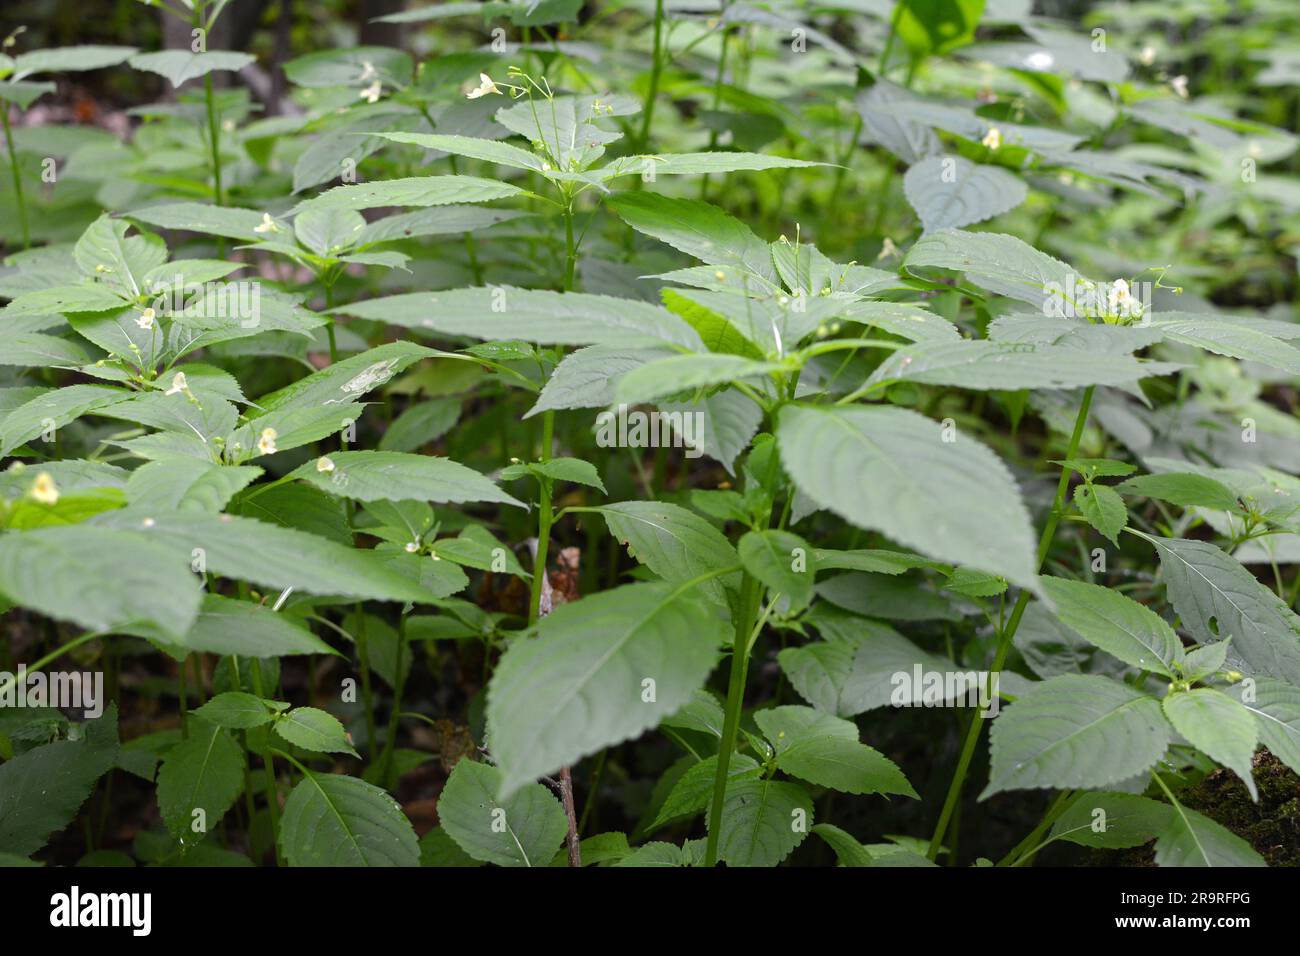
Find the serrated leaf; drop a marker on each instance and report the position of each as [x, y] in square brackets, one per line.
[1184, 490]
[99, 578]
[204, 772]
[763, 821]
[42, 789]
[1217, 725]
[1192, 839]
[674, 543]
[55, 409]
[187, 484]
[412, 191]
[398, 476]
[1111, 821]
[181, 65]
[890, 470]
[825, 751]
[235, 710]
[1075, 731]
[693, 790]
[523, 829]
[1217, 598]
[1227, 338]
[1117, 624]
[1276, 707]
[336, 820]
[1002, 264]
[579, 685]
[951, 192]
[313, 729]
[1103, 508]
[684, 373]
[783, 561]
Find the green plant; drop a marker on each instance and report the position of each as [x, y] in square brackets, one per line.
[610, 482]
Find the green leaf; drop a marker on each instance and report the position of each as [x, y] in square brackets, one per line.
[700, 230]
[1192, 839]
[684, 373]
[825, 751]
[265, 554]
[42, 789]
[763, 821]
[1217, 598]
[503, 154]
[523, 829]
[1221, 337]
[226, 626]
[70, 59]
[54, 409]
[674, 543]
[181, 65]
[937, 26]
[1075, 731]
[691, 793]
[235, 710]
[1111, 821]
[532, 315]
[1218, 726]
[1001, 264]
[336, 820]
[1009, 366]
[1097, 467]
[398, 476]
[101, 579]
[848, 851]
[783, 561]
[228, 221]
[951, 192]
[1276, 707]
[345, 381]
[1103, 508]
[413, 191]
[315, 730]
[600, 671]
[698, 164]
[204, 772]
[890, 470]
[1184, 490]
[718, 334]
[437, 848]
[1117, 624]
[187, 484]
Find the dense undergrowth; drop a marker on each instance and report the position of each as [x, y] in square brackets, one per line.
[654, 434]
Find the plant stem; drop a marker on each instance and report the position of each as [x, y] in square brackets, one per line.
[731, 720]
[214, 141]
[268, 766]
[544, 521]
[1031, 844]
[1009, 632]
[19, 201]
[566, 797]
[656, 67]
[53, 656]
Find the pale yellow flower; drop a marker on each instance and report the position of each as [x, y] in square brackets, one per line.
[145, 319]
[179, 384]
[1179, 83]
[372, 92]
[993, 138]
[324, 465]
[266, 444]
[485, 86]
[1148, 55]
[268, 224]
[44, 490]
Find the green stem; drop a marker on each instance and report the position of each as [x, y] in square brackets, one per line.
[214, 140]
[731, 720]
[19, 201]
[1023, 851]
[53, 656]
[268, 767]
[544, 520]
[367, 696]
[1009, 633]
[652, 93]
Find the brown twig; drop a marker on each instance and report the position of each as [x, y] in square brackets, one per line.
[566, 797]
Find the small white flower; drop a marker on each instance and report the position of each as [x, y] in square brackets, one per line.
[485, 86]
[434, 554]
[44, 490]
[372, 92]
[1040, 61]
[367, 71]
[179, 384]
[1179, 83]
[1148, 55]
[268, 224]
[266, 444]
[887, 249]
[324, 465]
[145, 319]
[228, 126]
[720, 275]
[412, 547]
[993, 138]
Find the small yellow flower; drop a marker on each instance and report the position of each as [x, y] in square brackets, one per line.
[434, 554]
[993, 138]
[372, 92]
[268, 224]
[324, 465]
[1148, 55]
[485, 86]
[43, 489]
[179, 384]
[266, 444]
[145, 319]
[719, 275]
